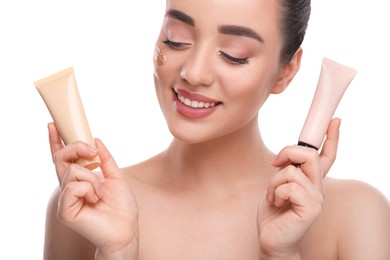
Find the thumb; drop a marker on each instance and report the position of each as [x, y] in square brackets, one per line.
[329, 148]
[108, 165]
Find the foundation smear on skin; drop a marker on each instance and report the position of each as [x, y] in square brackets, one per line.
[159, 56]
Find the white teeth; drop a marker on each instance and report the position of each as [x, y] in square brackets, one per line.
[194, 103]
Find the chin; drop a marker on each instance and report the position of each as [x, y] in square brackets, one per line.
[196, 134]
[188, 137]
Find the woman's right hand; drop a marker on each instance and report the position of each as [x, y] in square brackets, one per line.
[103, 210]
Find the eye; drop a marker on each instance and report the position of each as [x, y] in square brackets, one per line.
[176, 45]
[233, 60]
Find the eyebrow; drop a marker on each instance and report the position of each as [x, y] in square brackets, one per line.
[179, 15]
[239, 31]
[234, 30]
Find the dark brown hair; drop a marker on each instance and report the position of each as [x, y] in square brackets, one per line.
[295, 18]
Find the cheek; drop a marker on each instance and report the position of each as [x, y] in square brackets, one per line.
[166, 71]
[167, 67]
[250, 87]
[161, 68]
[159, 60]
[159, 57]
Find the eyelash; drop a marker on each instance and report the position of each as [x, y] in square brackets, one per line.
[175, 45]
[225, 56]
[233, 60]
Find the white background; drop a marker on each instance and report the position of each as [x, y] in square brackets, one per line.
[110, 45]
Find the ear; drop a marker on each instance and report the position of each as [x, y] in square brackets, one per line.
[288, 72]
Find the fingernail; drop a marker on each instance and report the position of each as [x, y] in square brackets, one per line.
[94, 198]
[269, 198]
[92, 149]
[99, 192]
[274, 159]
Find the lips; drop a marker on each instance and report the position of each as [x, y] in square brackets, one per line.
[193, 105]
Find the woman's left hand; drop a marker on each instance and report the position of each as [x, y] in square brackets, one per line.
[294, 197]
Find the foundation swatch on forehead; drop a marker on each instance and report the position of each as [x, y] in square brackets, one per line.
[159, 56]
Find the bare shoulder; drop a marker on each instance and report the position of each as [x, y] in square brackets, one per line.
[355, 194]
[356, 200]
[146, 172]
[60, 241]
[362, 218]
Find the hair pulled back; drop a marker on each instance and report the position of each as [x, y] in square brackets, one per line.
[295, 18]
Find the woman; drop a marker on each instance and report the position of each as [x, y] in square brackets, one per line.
[217, 192]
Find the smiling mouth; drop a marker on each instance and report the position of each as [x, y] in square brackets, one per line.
[195, 103]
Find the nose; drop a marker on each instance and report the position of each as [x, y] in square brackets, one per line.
[198, 69]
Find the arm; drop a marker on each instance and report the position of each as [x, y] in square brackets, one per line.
[62, 242]
[365, 227]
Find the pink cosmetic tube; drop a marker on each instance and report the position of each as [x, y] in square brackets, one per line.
[62, 98]
[333, 82]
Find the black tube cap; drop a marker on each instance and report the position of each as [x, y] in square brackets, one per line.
[307, 145]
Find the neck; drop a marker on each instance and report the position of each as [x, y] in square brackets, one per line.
[238, 157]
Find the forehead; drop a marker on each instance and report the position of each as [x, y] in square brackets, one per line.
[258, 14]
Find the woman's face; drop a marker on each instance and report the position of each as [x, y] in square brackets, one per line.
[218, 63]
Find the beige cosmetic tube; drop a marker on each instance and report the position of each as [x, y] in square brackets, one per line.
[62, 98]
[333, 82]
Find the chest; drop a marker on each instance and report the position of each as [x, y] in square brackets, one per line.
[178, 226]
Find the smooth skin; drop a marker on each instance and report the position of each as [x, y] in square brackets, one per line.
[216, 192]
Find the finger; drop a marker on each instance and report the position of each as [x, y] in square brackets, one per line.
[303, 204]
[73, 199]
[294, 154]
[54, 139]
[306, 157]
[74, 151]
[77, 173]
[292, 174]
[288, 192]
[329, 149]
[108, 165]
[71, 153]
